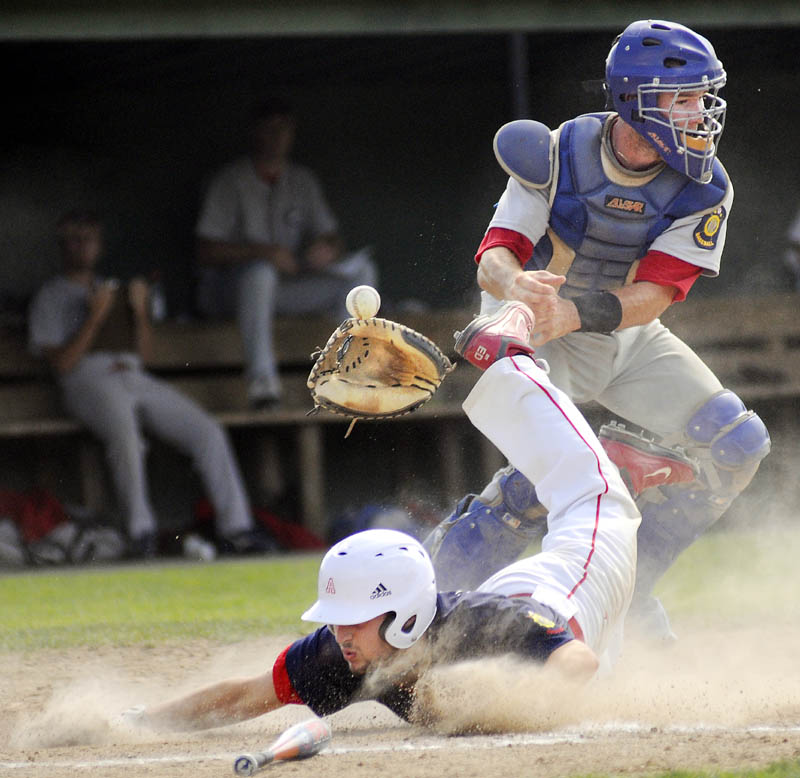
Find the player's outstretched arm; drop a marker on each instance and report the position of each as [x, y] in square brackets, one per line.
[225, 702]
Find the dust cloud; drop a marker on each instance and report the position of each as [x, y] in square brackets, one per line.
[734, 664]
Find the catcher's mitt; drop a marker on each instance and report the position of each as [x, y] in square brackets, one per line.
[375, 369]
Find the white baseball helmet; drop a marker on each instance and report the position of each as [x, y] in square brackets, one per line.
[373, 572]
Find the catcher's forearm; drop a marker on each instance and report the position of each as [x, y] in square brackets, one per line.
[643, 302]
[497, 272]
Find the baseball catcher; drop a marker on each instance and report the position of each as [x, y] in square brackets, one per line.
[374, 369]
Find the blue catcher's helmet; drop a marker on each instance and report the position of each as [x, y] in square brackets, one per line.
[651, 58]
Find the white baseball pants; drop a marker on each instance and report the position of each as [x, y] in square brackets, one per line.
[586, 568]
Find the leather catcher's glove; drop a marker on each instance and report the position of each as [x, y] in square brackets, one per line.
[375, 369]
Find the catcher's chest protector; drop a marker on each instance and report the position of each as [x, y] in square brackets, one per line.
[599, 228]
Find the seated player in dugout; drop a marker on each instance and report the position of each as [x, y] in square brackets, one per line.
[605, 222]
[561, 610]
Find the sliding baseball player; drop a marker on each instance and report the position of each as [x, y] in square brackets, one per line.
[377, 594]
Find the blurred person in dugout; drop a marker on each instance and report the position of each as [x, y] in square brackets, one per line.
[96, 334]
[268, 243]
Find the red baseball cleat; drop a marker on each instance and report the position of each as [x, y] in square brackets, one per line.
[642, 462]
[493, 336]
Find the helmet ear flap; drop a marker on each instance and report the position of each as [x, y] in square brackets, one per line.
[385, 624]
[389, 620]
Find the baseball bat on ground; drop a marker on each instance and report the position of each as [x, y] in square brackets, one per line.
[298, 742]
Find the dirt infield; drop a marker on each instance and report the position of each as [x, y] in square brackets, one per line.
[718, 698]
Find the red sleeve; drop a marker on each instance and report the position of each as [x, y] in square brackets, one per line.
[515, 242]
[280, 680]
[666, 270]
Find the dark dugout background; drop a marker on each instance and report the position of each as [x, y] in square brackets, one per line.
[399, 128]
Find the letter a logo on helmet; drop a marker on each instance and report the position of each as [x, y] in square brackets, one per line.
[377, 571]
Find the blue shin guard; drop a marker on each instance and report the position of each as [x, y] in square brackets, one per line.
[486, 532]
[735, 441]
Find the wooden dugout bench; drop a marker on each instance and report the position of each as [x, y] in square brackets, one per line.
[752, 344]
[204, 360]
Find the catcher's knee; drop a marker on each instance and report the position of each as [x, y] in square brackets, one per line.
[487, 532]
[737, 438]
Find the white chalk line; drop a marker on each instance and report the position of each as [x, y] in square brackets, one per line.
[472, 742]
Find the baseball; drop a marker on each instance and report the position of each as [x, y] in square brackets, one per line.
[363, 302]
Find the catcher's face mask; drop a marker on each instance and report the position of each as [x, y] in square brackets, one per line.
[651, 60]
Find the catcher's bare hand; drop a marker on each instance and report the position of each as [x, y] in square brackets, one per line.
[563, 319]
[555, 316]
[538, 289]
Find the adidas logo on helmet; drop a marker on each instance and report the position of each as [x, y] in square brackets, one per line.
[380, 591]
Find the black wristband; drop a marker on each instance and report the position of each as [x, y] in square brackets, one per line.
[598, 312]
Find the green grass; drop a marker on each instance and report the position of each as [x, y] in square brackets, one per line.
[730, 576]
[725, 574]
[226, 601]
